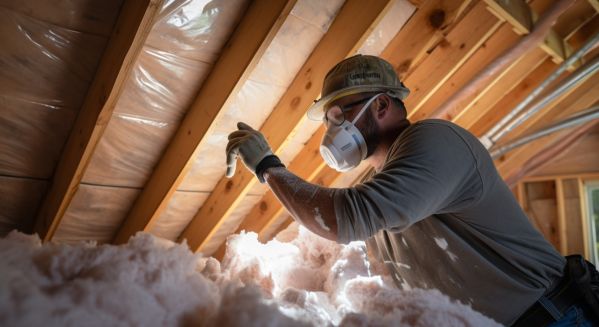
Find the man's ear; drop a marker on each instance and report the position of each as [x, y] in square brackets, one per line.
[382, 106]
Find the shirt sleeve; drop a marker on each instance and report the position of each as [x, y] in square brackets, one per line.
[431, 170]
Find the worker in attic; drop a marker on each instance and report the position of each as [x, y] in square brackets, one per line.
[434, 208]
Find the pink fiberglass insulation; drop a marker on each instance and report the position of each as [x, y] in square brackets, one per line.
[299, 279]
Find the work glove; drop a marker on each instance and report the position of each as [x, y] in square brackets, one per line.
[253, 149]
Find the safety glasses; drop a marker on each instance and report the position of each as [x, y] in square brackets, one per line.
[335, 115]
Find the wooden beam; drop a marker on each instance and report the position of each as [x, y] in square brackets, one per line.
[519, 14]
[595, 4]
[481, 120]
[561, 216]
[424, 30]
[564, 176]
[126, 41]
[516, 12]
[467, 36]
[351, 26]
[497, 89]
[500, 41]
[242, 52]
[585, 217]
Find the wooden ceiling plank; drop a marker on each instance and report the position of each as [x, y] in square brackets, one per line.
[465, 38]
[422, 32]
[499, 42]
[496, 90]
[242, 52]
[126, 41]
[578, 34]
[485, 119]
[349, 29]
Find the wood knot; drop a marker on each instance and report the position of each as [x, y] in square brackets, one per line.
[437, 18]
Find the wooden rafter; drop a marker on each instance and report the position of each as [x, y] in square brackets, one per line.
[519, 14]
[500, 41]
[478, 122]
[350, 27]
[252, 36]
[422, 32]
[501, 86]
[463, 40]
[128, 36]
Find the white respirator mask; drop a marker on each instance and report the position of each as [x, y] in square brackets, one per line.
[343, 147]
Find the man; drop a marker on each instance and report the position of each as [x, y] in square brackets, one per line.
[435, 209]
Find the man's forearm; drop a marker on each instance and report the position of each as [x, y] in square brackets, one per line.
[309, 204]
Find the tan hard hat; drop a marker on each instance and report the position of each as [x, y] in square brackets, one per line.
[358, 74]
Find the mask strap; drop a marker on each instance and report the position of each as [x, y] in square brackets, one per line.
[364, 108]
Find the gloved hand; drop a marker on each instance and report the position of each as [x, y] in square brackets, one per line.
[253, 148]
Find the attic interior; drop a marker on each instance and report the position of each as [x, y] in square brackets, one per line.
[115, 117]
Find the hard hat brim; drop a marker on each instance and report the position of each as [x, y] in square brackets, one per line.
[316, 110]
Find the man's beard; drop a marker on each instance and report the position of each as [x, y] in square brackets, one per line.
[371, 133]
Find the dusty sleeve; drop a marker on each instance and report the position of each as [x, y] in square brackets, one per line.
[430, 170]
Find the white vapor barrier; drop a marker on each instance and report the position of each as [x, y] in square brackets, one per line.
[45, 71]
[175, 217]
[299, 280]
[181, 48]
[179, 53]
[95, 213]
[19, 202]
[398, 14]
[49, 54]
[274, 72]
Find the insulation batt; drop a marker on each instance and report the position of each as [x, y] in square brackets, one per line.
[299, 279]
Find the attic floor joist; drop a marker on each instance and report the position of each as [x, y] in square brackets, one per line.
[128, 36]
[252, 36]
[350, 27]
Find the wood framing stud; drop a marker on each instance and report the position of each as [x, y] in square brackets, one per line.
[128, 37]
[252, 36]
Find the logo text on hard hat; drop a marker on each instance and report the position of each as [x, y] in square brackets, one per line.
[364, 75]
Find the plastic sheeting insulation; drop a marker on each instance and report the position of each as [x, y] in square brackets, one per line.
[48, 58]
[301, 280]
[179, 52]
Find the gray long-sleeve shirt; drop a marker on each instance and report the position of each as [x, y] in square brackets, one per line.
[441, 217]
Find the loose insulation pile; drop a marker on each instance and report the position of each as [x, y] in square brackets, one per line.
[299, 279]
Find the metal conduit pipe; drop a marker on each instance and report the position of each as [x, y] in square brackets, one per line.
[490, 137]
[574, 120]
[580, 74]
